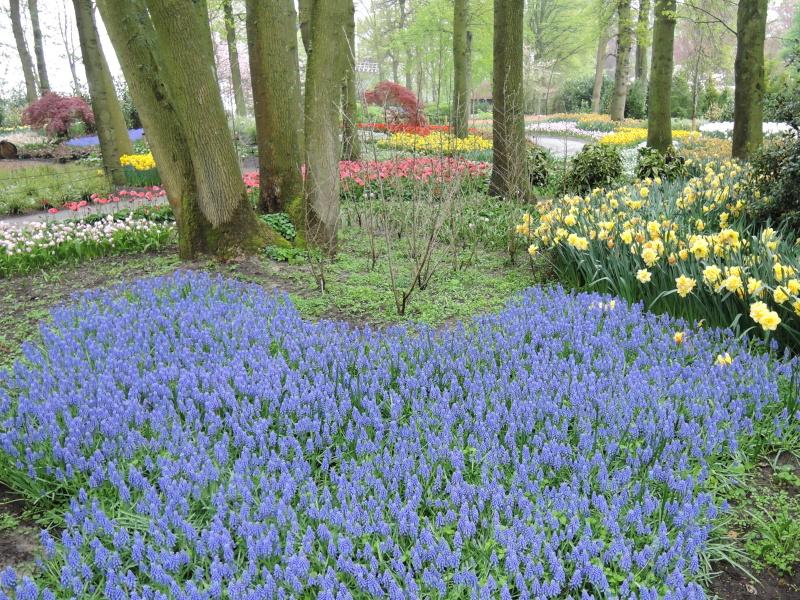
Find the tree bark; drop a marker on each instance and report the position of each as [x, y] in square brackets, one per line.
[460, 108]
[324, 74]
[110, 122]
[233, 58]
[166, 54]
[751, 23]
[642, 40]
[275, 75]
[599, 69]
[659, 114]
[406, 46]
[38, 48]
[351, 149]
[624, 39]
[509, 173]
[304, 8]
[22, 50]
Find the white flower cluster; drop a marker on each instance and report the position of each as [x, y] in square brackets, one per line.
[36, 236]
[560, 128]
[725, 128]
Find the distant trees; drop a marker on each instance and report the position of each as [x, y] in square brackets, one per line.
[460, 104]
[624, 43]
[22, 50]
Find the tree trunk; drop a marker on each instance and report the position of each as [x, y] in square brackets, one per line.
[406, 45]
[65, 29]
[165, 51]
[38, 47]
[275, 75]
[22, 49]
[233, 58]
[460, 108]
[624, 39]
[110, 122]
[599, 69]
[351, 149]
[642, 40]
[659, 114]
[324, 74]
[509, 173]
[748, 107]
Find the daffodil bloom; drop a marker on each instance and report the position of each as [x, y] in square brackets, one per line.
[678, 337]
[779, 295]
[711, 274]
[644, 276]
[724, 359]
[684, 285]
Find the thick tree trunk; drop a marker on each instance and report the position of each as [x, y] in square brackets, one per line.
[110, 122]
[460, 117]
[642, 40]
[165, 51]
[275, 75]
[509, 173]
[22, 50]
[659, 114]
[351, 149]
[233, 58]
[751, 23]
[324, 74]
[599, 69]
[38, 48]
[624, 39]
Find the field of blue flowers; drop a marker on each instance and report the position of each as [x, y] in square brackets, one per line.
[201, 440]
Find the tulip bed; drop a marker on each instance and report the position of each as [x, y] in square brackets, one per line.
[204, 441]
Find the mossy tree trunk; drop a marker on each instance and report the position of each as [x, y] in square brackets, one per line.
[748, 109]
[165, 51]
[642, 40]
[460, 107]
[351, 149]
[599, 67]
[327, 58]
[275, 75]
[38, 47]
[22, 50]
[110, 122]
[509, 172]
[233, 58]
[659, 113]
[624, 41]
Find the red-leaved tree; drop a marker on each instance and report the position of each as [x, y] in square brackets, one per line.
[55, 113]
[399, 103]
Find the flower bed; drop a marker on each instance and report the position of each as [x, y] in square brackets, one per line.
[206, 442]
[31, 246]
[724, 129]
[686, 249]
[435, 143]
[401, 128]
[626, 136]
[569, 128]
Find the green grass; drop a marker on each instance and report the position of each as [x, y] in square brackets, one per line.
[30, 189]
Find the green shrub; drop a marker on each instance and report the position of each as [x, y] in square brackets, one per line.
[651, 163]
[438, 115]
[775, 183]
[576, 94]
[681, 99]
[539, 164]
[282, 225]
[636, 103]
[596, 165]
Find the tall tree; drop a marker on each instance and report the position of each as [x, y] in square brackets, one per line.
[327, 59]
[460, 106]
[509, 173]
[642, 40]
[659, 114]
[68, 41]
[748, 109]
[351, 149]
[233, 57]
[624, 40]
[275, 76]
[165, 50]
[22, 50]
[111, 127]
[38, 47]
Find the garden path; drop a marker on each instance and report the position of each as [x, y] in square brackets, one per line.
[559, 146]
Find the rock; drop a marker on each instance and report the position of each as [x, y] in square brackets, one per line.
[8, 150]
